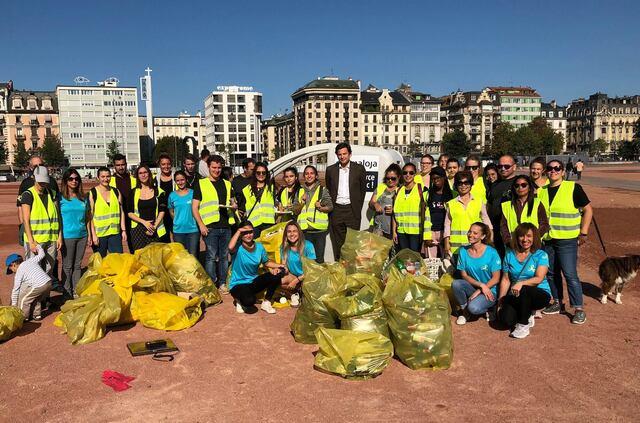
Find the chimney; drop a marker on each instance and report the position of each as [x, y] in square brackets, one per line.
[553, 104]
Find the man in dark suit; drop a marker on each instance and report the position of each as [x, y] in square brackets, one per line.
[346, 181]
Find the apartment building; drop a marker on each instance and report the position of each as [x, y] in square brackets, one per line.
[30, 117]
[385, 119]
[327, 110]
[278, 136]
[233, 116]
[475, 113]
[425, 129]
[556, 117]
[190, 128]
[91, 117]
[612, 119]
[518, 105]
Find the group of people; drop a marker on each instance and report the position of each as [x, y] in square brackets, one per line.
[511, 236]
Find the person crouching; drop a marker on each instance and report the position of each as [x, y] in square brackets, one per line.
[31, 284]
[247, 256]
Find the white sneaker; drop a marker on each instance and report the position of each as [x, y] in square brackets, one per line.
[223, 289]
[239, 308]
[538, 314]
[295, 300]
[521, 331]
[532, 321]
[461, 320]
[266, 306]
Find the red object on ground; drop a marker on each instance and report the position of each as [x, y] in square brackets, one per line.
[117, 381]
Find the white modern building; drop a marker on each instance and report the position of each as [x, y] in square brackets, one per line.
[232, 121]
[91, 117]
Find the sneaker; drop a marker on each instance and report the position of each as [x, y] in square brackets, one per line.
[579, 317]
[295, 300]
[532, 321]
[520, 331]
[37, 318]
[538, 314]
[266, 306]
[552, 308]
[461, 320]
[223, 289]
[490, 315]
[239, 308]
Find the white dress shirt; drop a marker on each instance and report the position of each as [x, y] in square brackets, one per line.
[343, 197]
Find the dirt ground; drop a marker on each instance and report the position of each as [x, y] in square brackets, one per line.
[247, 367]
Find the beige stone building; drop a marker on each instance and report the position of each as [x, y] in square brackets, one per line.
[612, 119]
[474, 112]
[556, 117]
[327, 110]
[31, 116]
[385, 119]
[5, 88]
[278, 136]
[183, 125]
[425, 130]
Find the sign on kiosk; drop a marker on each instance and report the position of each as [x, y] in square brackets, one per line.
[370, 164]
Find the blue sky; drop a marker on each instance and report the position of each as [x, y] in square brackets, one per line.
[565, 49]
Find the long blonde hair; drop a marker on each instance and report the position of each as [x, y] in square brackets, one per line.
[286, 245]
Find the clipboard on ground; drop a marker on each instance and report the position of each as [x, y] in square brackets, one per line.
[152, 347]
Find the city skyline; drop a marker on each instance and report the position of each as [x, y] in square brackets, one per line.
[565, 51]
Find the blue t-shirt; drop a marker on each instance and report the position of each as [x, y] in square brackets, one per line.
[183, 221]
[513, 267]
[480, 268]
[245, 264]
[294, 263]
[74, 212]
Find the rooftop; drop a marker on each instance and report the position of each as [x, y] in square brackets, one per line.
[331, 82]
[515, 91]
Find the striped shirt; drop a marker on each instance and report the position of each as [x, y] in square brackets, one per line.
[29, 274]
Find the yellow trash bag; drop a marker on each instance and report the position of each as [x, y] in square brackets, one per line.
[320, 281]
[365, 252]
[165, 311]
[351, 354]
[358, 305]
[85, 319]
[445, 282]
[11, 319]
[271, 240]
[404, 259]
[153, 256]
[188, 275]
[90, 279]
[419, 320]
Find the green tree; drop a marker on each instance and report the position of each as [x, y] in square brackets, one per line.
[526, 142]
[52, 151]
[597, 147]
[456, 143]
[3, 152]
[550, 141]
[629, 150]
[20, 154]
[174, 146]
[112, 149]
[503, 139]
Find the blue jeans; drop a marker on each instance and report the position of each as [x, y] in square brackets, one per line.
[563, 260]
[217, 244]
[412, 242]
[462, 290]
[110, 243]
[191, 242]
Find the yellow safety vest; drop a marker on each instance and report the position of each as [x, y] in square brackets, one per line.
[564, 216]
[461, 221]
[132, 181]
[106, 216]
[43, 220]
[478, 190]
[406, 210]
[264, 211]
[310, 218]
[160, 230]
[510, 215]
[209, 207]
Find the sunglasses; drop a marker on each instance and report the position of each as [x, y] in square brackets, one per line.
[554, 168]
[392, 178]
[261, 172]
[464, 182]
[472, 167]
[504, 166]
[73, 178]
[408, 172]
[522, 185]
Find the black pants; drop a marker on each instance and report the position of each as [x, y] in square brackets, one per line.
[245, 293]
[518, 309]
[341, 218]
[319, 242]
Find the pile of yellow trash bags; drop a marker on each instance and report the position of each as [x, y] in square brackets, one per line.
[11, 319]
[366, 309]
[142, 287]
